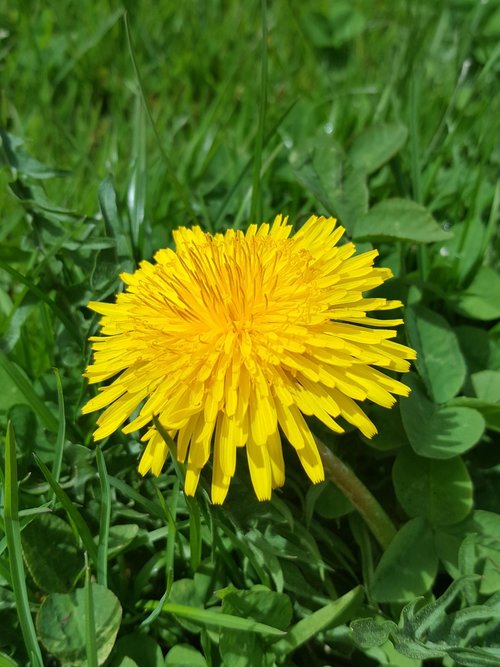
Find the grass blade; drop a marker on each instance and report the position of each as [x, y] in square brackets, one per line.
[181, 190]
[13, 536]
[105, 519]
[90, 632]
[71, 327]
[61, 433]
[212, 618]
[308, 627]
[256, 204]
[73, 514]
[48, 418]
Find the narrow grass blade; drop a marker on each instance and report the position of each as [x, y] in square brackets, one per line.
[415, 162]
[212, 618]
[136, 193]
[90, 632]
[73, 514]
[105, 519]
[309, 626]
[71, 327]
[194, 532]
[61, 433]
[48, 418]
[181, 190]
[13, 535]
[248, 165]
[256, 204]
[153, 508]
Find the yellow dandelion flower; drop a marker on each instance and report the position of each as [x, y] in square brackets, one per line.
[231, 338]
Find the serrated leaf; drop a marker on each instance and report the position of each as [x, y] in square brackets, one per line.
[438, 432]
[439, 358]
[405, 571]
[399, 219]
[61, 624]
[376, 146]
[368, 632]
[439, 490]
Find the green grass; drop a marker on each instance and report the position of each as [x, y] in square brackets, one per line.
[121, 122]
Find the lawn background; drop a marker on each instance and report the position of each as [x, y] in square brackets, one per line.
[120, 122]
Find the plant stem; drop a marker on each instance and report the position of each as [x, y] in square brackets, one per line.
[356, 492]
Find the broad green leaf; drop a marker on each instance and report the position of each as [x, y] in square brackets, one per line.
[438, 432]
[439, 490]
[126, 662]
[399, 219]
[475, 346]
[184, 655]
[481, 300]
[327, 501]
[408, 566]
[439, 359]
[489, 411]
[376, 146]
[140, 648]
[61, 624]
[487, 385]
[48, 540]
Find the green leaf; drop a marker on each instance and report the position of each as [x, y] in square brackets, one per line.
[370, 632]
[140, 648]
[25, 386]
[376, 146]
[330, 615]
[260, 603]
[242, 649]
[487, 385]
[438, 432]
[399, 219]
[404, 570]
[183, 655]
[489, 411]
[481, 300]
[213, 618]
[327, 501]
[439, 358]
[61, 624]
[439, 490]
[484, 547]
[120, 536]
[48, 540]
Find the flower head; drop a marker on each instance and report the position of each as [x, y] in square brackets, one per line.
[231, 338]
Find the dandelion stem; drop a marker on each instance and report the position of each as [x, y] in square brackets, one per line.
[356, 492]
